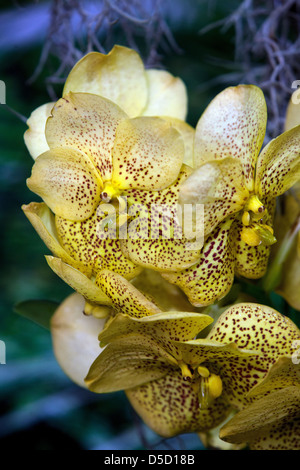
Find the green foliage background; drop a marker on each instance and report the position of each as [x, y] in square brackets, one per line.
[40, 408]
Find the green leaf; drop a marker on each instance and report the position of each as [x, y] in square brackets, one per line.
[38, 311]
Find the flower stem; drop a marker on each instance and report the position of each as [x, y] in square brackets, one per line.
[273, 276]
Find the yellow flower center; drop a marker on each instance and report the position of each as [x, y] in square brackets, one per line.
[109, 192]
[208, 386]
[255, 232]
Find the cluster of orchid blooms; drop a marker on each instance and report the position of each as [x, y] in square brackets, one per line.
[118, 168]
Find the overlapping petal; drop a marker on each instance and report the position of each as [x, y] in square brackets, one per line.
[119, 76]
[233, 125]
[212, 276]
[278, 165]
[34, 137]
[67, 181]
[155, 236]
[43, 221]
[147, 154]
[169, 405]
[83, 241]
[74, 338]
[167, 95]
[220, 187]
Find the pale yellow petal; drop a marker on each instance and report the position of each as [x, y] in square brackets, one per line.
[257, 328]
[278, 165]
[75, 338]
[83, 242]
[290, 280]
[220, 187]
[129, 362]
[212, 276]
[87, 123]
[167, 95]
[292, 118]
[34, 137]
[168, 296]
[188, 134]
[118, 76]
[155, 236]
[43, 221]
[78, 281]
[164, 327]
[233, 125]
[170, 406]
[67, 182]
[271, 423]
[124, 296]
[147, 154]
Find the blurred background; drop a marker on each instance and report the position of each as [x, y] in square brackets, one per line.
[210, 45]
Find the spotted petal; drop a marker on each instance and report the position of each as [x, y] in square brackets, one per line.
[129, 362]
[155, 237]
[67, 181]
[34, 137]
[212, 277]
[278, 165]
[124, 296]
[170, 406]
[118, 76]
[270, 423]
[78, 281]
[83, 242]
[257, 328]
[42, 219]
[233, 125]
[167, 95]
[164, 327]
[87, 123]
[220, 187]
[147, 154]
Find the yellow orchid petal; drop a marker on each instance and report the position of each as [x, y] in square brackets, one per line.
[278, 165]
[168, 296]
[257, 328]
[292, 118]
[67, 181]
[147, 154]
[87, 123]
[118, 76]
[212, 277]
[235, 368]
[271, 423]
[164, 327]
[251, 262]
[157, 240]
[170, 406]
[188, 134]
[129, 362]
[124, 296]
[34, 137]
[43, 221]
[83, 241]
[74, 338]
[285, 372]
[233, 125]
[78, 281]
[167, 95]
[220, 187]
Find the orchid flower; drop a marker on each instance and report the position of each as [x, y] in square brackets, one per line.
[238, 185]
